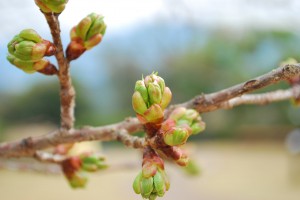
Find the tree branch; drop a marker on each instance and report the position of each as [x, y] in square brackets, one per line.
[120, 131]
[67, 92]
[262, 99]
[210, 102]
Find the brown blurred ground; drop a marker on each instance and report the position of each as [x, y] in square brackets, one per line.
[230, 171]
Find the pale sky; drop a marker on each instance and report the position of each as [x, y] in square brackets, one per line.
[123, 15]
[17, 15]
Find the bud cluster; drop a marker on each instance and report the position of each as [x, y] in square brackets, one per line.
[75, 167]
[49, 6]
[152, 180]
[180, 125]
[87, 34]
[27, 51]
[150, 98]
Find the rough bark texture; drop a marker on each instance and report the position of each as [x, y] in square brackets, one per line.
[67, 92]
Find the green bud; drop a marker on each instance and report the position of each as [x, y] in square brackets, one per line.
[27, 50]
[177, 113]
[146, 187]
[191, 114]
[31, 67]
[165, 178]
[155, 93]
[92, 163]
[166, 98]
[198, 127]
[93, 41]
[83, 27]
[30, 35]
[153, 114]
[152, 197]
[138, 103]
[183, 160]
[48, 6]
[26, 66]
[159, 184]
[98, 26]
[141, 88]
[188, 118]
[78, 180]
[155, 97]
[87, 34]
[136, 184]
[176, 136]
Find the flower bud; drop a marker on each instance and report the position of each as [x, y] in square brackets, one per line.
[29, 46]
[74, 167]
[183, 160]
[176, 136]
[42, 66]
[48, 6]
[92, 163]
[26, 51]
[71, 168]
[78, 180]
[150, 99]
[138, 103]
[87, 34]
[188, 117]
[152, 180]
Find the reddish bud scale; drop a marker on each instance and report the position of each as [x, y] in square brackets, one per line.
[51, 50]
[75, 49]
[70, 166]
[49, 70]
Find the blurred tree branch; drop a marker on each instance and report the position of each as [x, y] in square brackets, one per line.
[122, 131]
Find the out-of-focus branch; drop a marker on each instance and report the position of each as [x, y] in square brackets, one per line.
[262, 99]
[121, 131]
[28, 146]
[48, 157]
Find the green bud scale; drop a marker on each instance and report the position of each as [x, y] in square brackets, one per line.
[85, 35]
[150, 98]
[27, 51]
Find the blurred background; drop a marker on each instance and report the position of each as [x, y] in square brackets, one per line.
[249, 152]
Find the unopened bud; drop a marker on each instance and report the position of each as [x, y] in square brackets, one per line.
[150, 98]
[92, 163]
[176, 136]
[78, 180]
[48, 6]
[87, 34]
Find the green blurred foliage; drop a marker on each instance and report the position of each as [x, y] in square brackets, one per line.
[41, 104]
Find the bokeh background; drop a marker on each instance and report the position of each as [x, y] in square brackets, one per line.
[197, 47]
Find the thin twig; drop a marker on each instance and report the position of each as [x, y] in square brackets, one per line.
[211, 102]
[203, 103]
[67, 92]
[261, 99]
[28, 146]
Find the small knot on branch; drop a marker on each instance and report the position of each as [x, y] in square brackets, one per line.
[291, 70]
